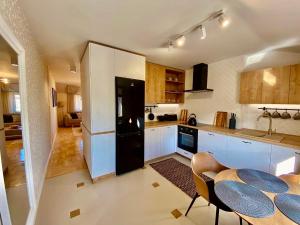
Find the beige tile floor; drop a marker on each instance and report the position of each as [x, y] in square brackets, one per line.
[129, 199]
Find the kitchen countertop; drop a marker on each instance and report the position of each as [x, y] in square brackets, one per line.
[285, 140]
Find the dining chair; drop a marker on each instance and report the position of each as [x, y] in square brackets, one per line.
[293, 178]
[204, 162]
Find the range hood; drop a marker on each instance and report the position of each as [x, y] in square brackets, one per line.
[200, 78]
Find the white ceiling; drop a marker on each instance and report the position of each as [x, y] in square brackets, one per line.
[62, 29]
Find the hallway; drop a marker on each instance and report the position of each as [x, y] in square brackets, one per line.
[67, 155]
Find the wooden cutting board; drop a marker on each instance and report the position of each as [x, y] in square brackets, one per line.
[220, 119]
[183, 116]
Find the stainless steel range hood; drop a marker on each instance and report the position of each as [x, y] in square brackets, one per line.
[200, 78]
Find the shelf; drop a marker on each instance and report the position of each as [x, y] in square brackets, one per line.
[174, 82]
[174, 92]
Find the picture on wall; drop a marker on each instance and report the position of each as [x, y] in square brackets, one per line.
[54, 98]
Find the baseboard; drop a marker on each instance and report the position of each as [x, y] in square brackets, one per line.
[159, 158]
[33, 211]
[97, 179]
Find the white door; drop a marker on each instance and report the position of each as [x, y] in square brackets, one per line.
[243, 153]
[284, 160]
[167, 140]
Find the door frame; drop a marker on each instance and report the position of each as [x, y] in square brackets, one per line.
[12, 40]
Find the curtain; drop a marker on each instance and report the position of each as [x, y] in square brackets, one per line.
[8, 102]
[77, 103]
[71, 103]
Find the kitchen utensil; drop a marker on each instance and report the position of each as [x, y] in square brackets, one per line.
[220, 119]
[285, 115]
[192, 120]
[297, 115]
[266, 113]
[170, 117]
[151, 115]
[276, 114]
[232, 121]
[160, 118]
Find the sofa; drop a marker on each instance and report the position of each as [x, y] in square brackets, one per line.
[72, 119]
[12, 126]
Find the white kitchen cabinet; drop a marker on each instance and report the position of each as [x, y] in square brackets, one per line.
[103, 149]
[160, 141]
[215, 144]
[152, 143]
[243, 153]
[284, 160]
[168, 140]
[103, 96]
[129, 65]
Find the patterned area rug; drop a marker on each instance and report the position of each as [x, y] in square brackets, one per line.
[177, 173]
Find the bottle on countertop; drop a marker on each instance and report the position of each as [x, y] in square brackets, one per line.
[232, 121]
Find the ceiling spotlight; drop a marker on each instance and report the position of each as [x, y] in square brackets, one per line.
[170, 45]
[5, 80]
[224, 22]
[180, 41]
[202, 32]
[14, 61]
[73, 69]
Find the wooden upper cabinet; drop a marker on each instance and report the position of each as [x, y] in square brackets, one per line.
[276, 85]
[155, 83]
[294, 94]
[251, 87]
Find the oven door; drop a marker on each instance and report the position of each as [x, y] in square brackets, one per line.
[187, 141]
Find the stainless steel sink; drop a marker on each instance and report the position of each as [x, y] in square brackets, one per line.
[261, 134]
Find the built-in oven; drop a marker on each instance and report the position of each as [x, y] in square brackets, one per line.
[187, 139]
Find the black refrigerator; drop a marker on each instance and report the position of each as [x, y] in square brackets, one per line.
[130, 104]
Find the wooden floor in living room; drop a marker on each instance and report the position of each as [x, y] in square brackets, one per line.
[15, 174]
[67, 155]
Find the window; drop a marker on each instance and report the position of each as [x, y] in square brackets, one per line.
[17, 103]
[77, 103]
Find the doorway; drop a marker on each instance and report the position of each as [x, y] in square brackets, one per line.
[11, 142]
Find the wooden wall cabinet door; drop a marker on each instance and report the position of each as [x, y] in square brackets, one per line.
[294, 94]
[155, 83]
[251, 87]
[276, 85]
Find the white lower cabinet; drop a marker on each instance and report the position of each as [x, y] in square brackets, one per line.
[168, 140]
[215, 144]
[243, 153]
[159, 141]
[103, 155]
[284, 160]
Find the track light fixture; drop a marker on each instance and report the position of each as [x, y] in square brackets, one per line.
[180, 39]
[224, 22]
[14, 61]
[73, 69]
[202, 32]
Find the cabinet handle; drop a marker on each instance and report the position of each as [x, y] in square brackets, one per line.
[211, 134]
[247, 142]
[210, 152]
[297, 153]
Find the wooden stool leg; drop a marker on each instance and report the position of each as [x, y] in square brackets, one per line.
[241, 221]
[192, 203]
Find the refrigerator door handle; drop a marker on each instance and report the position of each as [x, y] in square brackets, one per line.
[120, 107]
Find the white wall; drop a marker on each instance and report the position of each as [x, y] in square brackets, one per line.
[223, 77]
[37, 98]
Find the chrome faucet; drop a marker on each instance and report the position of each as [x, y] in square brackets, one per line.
[270, 131]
